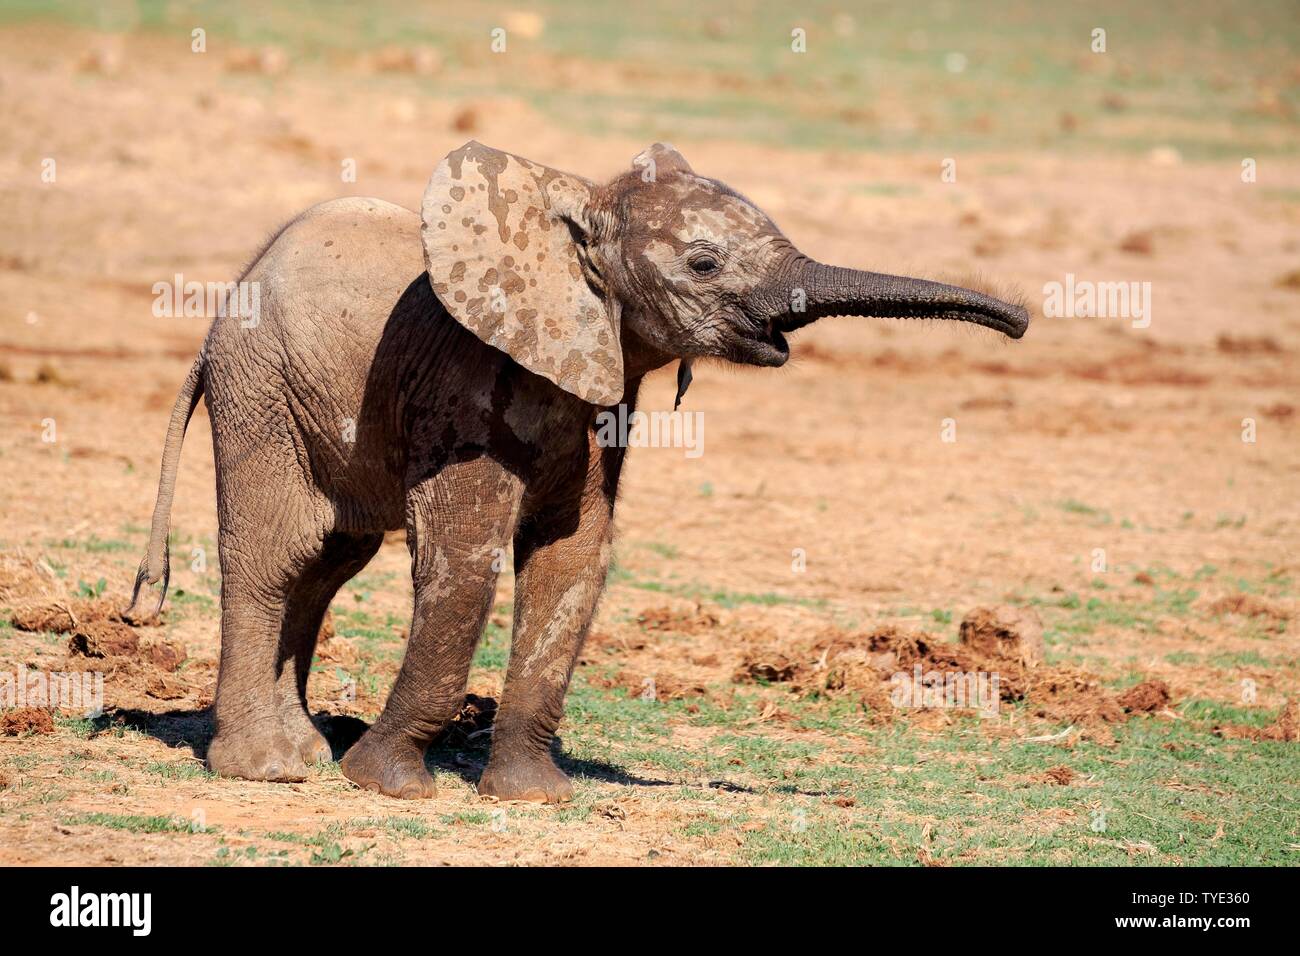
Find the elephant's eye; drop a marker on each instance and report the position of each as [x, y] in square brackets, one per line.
[704, 265]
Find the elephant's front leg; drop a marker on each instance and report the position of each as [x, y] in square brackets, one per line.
[458, 525]
[561, 558]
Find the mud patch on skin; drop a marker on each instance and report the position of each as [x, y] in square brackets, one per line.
[571, 608]
[500, 205]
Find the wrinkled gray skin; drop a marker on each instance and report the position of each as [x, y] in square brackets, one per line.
[359, 405]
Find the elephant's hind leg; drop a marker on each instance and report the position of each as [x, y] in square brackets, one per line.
[260, 566]
[309, 596]
[250, 740]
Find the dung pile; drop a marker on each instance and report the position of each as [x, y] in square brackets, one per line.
[101, 637]
[96, 627]
[1286, 729]
[999, 656]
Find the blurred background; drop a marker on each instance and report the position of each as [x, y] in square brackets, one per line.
[1198, 77]
[242, 114]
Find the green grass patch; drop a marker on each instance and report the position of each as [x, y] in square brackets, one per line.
[403, 827]
[134, 824]
[179, 770]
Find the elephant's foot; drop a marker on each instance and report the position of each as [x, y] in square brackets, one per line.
[393, 767]
[257, 753]
[535, 779]
[311, 743]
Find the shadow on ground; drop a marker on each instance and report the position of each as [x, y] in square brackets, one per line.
[193, 729]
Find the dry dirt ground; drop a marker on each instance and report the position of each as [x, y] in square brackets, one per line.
[729, 705]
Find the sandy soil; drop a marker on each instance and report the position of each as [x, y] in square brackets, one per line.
[1087, 434]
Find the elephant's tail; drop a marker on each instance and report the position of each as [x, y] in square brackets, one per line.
[157, 562]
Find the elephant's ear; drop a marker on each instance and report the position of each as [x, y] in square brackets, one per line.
[501, 246]
[660, 158]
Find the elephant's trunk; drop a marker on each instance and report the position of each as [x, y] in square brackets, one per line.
[810, 290]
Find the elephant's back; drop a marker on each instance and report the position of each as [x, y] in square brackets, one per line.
[343, 262]
[300, 377]
[325, 288]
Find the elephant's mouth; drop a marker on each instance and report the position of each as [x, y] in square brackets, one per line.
[760, 342]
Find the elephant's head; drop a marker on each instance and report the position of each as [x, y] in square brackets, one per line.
[557, 271]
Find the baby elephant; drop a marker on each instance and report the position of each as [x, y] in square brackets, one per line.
[443, 372]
